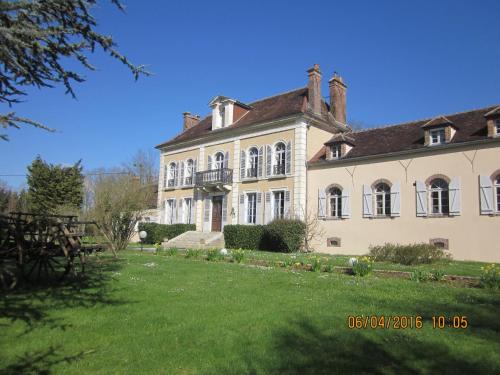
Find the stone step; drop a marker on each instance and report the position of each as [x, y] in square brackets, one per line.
[196, 240]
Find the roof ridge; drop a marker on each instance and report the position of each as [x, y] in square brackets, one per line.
[421, 120]
[279, 94]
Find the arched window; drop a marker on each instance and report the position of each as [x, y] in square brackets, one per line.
[439, 196]
[171, 174]
[335, 202]
[279, 158]
[496, 183]
[189, 172]
[219, 160]
[382, 197]
[253, 162]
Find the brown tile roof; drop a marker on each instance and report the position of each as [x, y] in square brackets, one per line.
[471, 126]
[341, 137]
[437, 121]
[264, 110]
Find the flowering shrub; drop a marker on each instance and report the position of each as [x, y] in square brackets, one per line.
[418, 253]
[419, 275]
[192, 253]
[213, 255]
[315, 263]
[237, 255]
[490, 277]
[363, 266]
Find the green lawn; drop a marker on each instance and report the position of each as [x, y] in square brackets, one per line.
[147, 314]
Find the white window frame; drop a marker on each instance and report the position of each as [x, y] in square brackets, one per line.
[338, 202]
[497, 127]
[496, 193]
[169, 211]
[186, 216]
[439, 191]
[188, 171]
[335, 151]
[247, 207]
[440, 136]
[218, 164]
[273, 203]
[172, 166]
[385, 199]
[277, 157]
[248, 166]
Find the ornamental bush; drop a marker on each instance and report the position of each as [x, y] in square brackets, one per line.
[158, 232]
[490, 276]
[363, 266]
[418, 253]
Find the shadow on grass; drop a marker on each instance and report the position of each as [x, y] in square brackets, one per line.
[304, 348]
[40, 362]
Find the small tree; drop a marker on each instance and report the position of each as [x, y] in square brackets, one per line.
[313, 229]
[119, 201]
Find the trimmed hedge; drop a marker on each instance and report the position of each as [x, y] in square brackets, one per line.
[248, 237]
[281, 235]
[418, 253]
[158, 232]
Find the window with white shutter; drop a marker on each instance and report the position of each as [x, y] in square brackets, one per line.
[321, 203]
[421, 198]
[455, 199]
[367, 201]
[396, 199]
[346, 203]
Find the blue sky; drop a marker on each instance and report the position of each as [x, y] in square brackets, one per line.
[401, 61]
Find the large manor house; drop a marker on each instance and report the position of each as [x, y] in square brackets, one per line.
[435, 180]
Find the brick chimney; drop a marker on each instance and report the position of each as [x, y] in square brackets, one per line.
[338, 98]
[190, 120]
[314, 88]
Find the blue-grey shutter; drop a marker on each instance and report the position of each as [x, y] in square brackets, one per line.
[269, 154]
[454, 189]
[195, 169]
[242, 164]
[174, 211]
[396, 199]
[367, 201]
[180, 211]
[165, 176]
[258, 210]
[176, 174]
[421, 198]
[321, 203]
[226, 160]
[486, 195]
[288, 214]
[206, 215]
[193, 211]
[346, 204]
[242, 209]
[260, 161]
[288, 166]
[224, 210]
[209, 164]
[268, 214]
[181, 179]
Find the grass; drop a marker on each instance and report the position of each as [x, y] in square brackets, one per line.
[148, 314]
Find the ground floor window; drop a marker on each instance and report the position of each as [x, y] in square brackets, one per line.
[497, 193]
[335, 202]
[382, 196]
[439, 197]
[169, 211]
[251, 208]
[188, 207]
[279, 204]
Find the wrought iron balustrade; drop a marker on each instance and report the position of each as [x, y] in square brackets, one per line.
[279, 170]
[215, 176]
[252, 173]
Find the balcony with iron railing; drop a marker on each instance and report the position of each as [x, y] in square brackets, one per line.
[279, 170]
[220, 176]
[251, 173]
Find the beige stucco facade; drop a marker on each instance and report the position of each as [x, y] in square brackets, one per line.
[469, 235]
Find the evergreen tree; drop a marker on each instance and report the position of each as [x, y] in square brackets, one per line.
[36, 37]
[54, 188]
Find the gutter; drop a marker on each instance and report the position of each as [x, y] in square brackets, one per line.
[450, 146]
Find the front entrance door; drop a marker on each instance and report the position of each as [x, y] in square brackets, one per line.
[217, 213]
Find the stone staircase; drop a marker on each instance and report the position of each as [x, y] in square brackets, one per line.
[196, 240]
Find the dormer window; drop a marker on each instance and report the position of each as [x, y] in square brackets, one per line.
[336, 151]
[226, 111]
[437, 136]
[222, 113]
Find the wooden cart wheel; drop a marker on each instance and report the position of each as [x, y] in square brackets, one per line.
[45, 267]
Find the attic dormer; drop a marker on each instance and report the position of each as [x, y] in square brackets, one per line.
[440, 130]
[226, 111]
[339, 146]
[493, 122]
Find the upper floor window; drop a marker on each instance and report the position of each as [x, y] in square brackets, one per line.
[437, 136]
[335, 202]
[219, 160]
[335, 151]
[253, 162]
[189, 172]
[172, 169]
[222, 112]
[439, 197]
[382, 197]
[279, 158]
